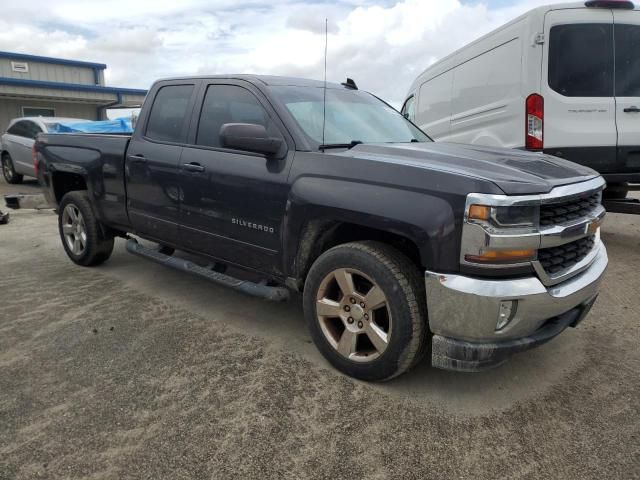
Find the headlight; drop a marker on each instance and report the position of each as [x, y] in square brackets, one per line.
[500, 235]
[507, 216]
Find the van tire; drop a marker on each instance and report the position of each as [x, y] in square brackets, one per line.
[76, 218]
[616, 191]
[403, 289]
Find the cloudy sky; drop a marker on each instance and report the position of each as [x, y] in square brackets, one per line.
[382, 45]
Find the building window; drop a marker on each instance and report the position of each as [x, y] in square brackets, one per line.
[38, 112]
[21, 67]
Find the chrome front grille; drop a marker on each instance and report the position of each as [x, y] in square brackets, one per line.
[566, 240]
[566, 211]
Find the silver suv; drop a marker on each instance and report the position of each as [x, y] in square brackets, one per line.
[17, 142]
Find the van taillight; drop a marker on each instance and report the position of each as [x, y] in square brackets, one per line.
[34, 157]
[534, 122]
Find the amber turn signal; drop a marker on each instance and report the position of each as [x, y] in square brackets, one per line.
[502, 256]
[479, 212]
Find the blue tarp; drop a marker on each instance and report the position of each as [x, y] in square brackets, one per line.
[119, 125]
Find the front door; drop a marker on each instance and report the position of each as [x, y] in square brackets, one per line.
[627, 64]
[152, 163]
[234, 202]
[578, 87]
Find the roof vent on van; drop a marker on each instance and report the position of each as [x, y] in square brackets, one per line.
[626, 4]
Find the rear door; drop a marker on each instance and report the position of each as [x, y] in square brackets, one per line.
[578, 87]
[627, 88]
[152, 163]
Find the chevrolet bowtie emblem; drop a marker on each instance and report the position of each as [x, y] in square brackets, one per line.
[592, 227]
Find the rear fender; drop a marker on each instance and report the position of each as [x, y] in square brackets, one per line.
[80, 162]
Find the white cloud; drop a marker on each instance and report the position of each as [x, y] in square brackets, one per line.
[383, 47]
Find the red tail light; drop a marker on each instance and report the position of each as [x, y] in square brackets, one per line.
[34, 156]
[534, 122]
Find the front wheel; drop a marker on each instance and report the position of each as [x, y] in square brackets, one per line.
[83, 237]
[9, 171]
[365, 307]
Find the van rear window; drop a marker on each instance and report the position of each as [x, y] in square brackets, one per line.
[581, 60]
[627, 60]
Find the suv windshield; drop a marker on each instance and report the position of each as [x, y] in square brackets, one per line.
[351, 116]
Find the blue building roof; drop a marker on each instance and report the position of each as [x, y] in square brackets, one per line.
[56, 61]
[19, 82]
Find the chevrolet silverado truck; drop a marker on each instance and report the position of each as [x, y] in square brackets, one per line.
[401, 247]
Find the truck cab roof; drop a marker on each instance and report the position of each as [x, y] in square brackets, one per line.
[266, 80]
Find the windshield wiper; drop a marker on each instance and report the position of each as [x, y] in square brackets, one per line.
[340, 145]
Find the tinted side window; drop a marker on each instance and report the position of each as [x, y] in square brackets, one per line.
[581, 60]
[19, 129]
[32, 129]
[627, 60]
[169, 113]
[229, 104]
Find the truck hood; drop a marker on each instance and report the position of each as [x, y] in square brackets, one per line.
[515, 172]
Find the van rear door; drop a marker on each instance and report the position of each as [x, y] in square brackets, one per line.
[578, 87]
[627, 89]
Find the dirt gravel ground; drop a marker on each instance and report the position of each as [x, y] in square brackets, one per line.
[132, 370]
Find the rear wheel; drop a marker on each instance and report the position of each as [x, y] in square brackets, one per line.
[83, 237]
[9, 171]
[365, 307]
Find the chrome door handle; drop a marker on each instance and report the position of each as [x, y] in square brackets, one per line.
[193, 167]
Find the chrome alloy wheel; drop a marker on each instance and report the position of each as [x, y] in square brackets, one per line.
[354, 315]
[74, 229]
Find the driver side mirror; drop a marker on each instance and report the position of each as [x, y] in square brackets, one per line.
[249, 137]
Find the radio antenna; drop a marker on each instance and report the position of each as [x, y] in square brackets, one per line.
[324, 98]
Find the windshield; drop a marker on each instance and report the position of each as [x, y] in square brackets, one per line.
[351, 116]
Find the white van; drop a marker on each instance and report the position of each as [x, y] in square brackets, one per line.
[563, 79]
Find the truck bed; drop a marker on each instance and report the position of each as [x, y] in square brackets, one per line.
[99, 159]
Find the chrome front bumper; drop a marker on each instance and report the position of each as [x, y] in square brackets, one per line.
[466, 309]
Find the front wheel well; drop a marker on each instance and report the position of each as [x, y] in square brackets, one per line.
[64, 182]
[320, 235]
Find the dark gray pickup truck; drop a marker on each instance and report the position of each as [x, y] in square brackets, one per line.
[401, 246]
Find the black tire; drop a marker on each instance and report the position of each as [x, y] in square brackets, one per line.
[98, 244]
[616, 191]
[403, 287]
[9, 171]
